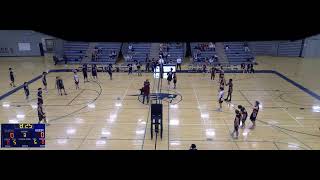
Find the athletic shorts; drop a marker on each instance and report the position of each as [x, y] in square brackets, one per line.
[236, 128]
[252, 118]
[44, 83]
[77, 82]
[40, 100]
[244, 118]
[41, 117]
[220, 100]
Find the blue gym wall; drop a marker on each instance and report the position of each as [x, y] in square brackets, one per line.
[11, 38]
[312, 47]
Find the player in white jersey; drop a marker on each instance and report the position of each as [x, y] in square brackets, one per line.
[76, 79]
[220, 98]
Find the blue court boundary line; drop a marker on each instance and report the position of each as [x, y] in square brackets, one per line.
[306, 90]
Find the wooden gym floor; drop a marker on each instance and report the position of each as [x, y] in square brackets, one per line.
[107, 115]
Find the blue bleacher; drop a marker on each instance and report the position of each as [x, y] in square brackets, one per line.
[175, 51]
[75, 51]
[106, 49]
[207, 54]
[236, 53]
[139, 53]
[289, 48]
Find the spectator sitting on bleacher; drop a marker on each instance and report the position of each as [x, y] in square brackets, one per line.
[246, 47]
[165, 55]
[216, 57]
[211, 60]
[212, 46]
[113, 54]
[130, 47]
[227, 48]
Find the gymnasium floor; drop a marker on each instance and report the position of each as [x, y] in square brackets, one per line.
[107, 115]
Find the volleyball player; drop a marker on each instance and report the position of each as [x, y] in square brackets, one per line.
[254, 114]
[146, 91]
[11, 78]
[39, 95]
[76, 79]
[236, 124]
[26, 90]
[174, 80]
[244, 115]
[41, 114]
[243, 67]
[44, 81]
[130, 69]
[204, 68]
[248, 68]
[60, 86]
[221, 75]
[220, 98]
[169, 78]
[109, 71]
[85, 73]
[94, 72]
[139, 69]
[213, 72]
[230, 90]
[222, 81]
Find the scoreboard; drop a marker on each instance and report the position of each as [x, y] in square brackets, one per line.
[22, 135]
[166, 69]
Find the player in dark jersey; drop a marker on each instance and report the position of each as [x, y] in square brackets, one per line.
[41, 114]
[26, 90]
[94, 72]
[236, 124]
[85, 73]
[248, 68]
[44, 81]
[169, 78]
[139, 69]
[222, 82]
[244, 115]
[146, 90]
[230, 90]
[174, 80]
[243, 67]
[109, 70]
[204, 68]
[213, 73]
[251, 68]
[221, 76]
[60, 86]
[11, 78]
[39, 95]
[129, 69]
[254, 114]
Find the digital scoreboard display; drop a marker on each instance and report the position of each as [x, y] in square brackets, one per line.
[22, 135]
[166, 69]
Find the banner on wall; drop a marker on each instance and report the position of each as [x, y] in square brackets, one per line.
[24, 46]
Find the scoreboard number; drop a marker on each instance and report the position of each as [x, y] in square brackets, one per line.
[25, 126]
[11, 135]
